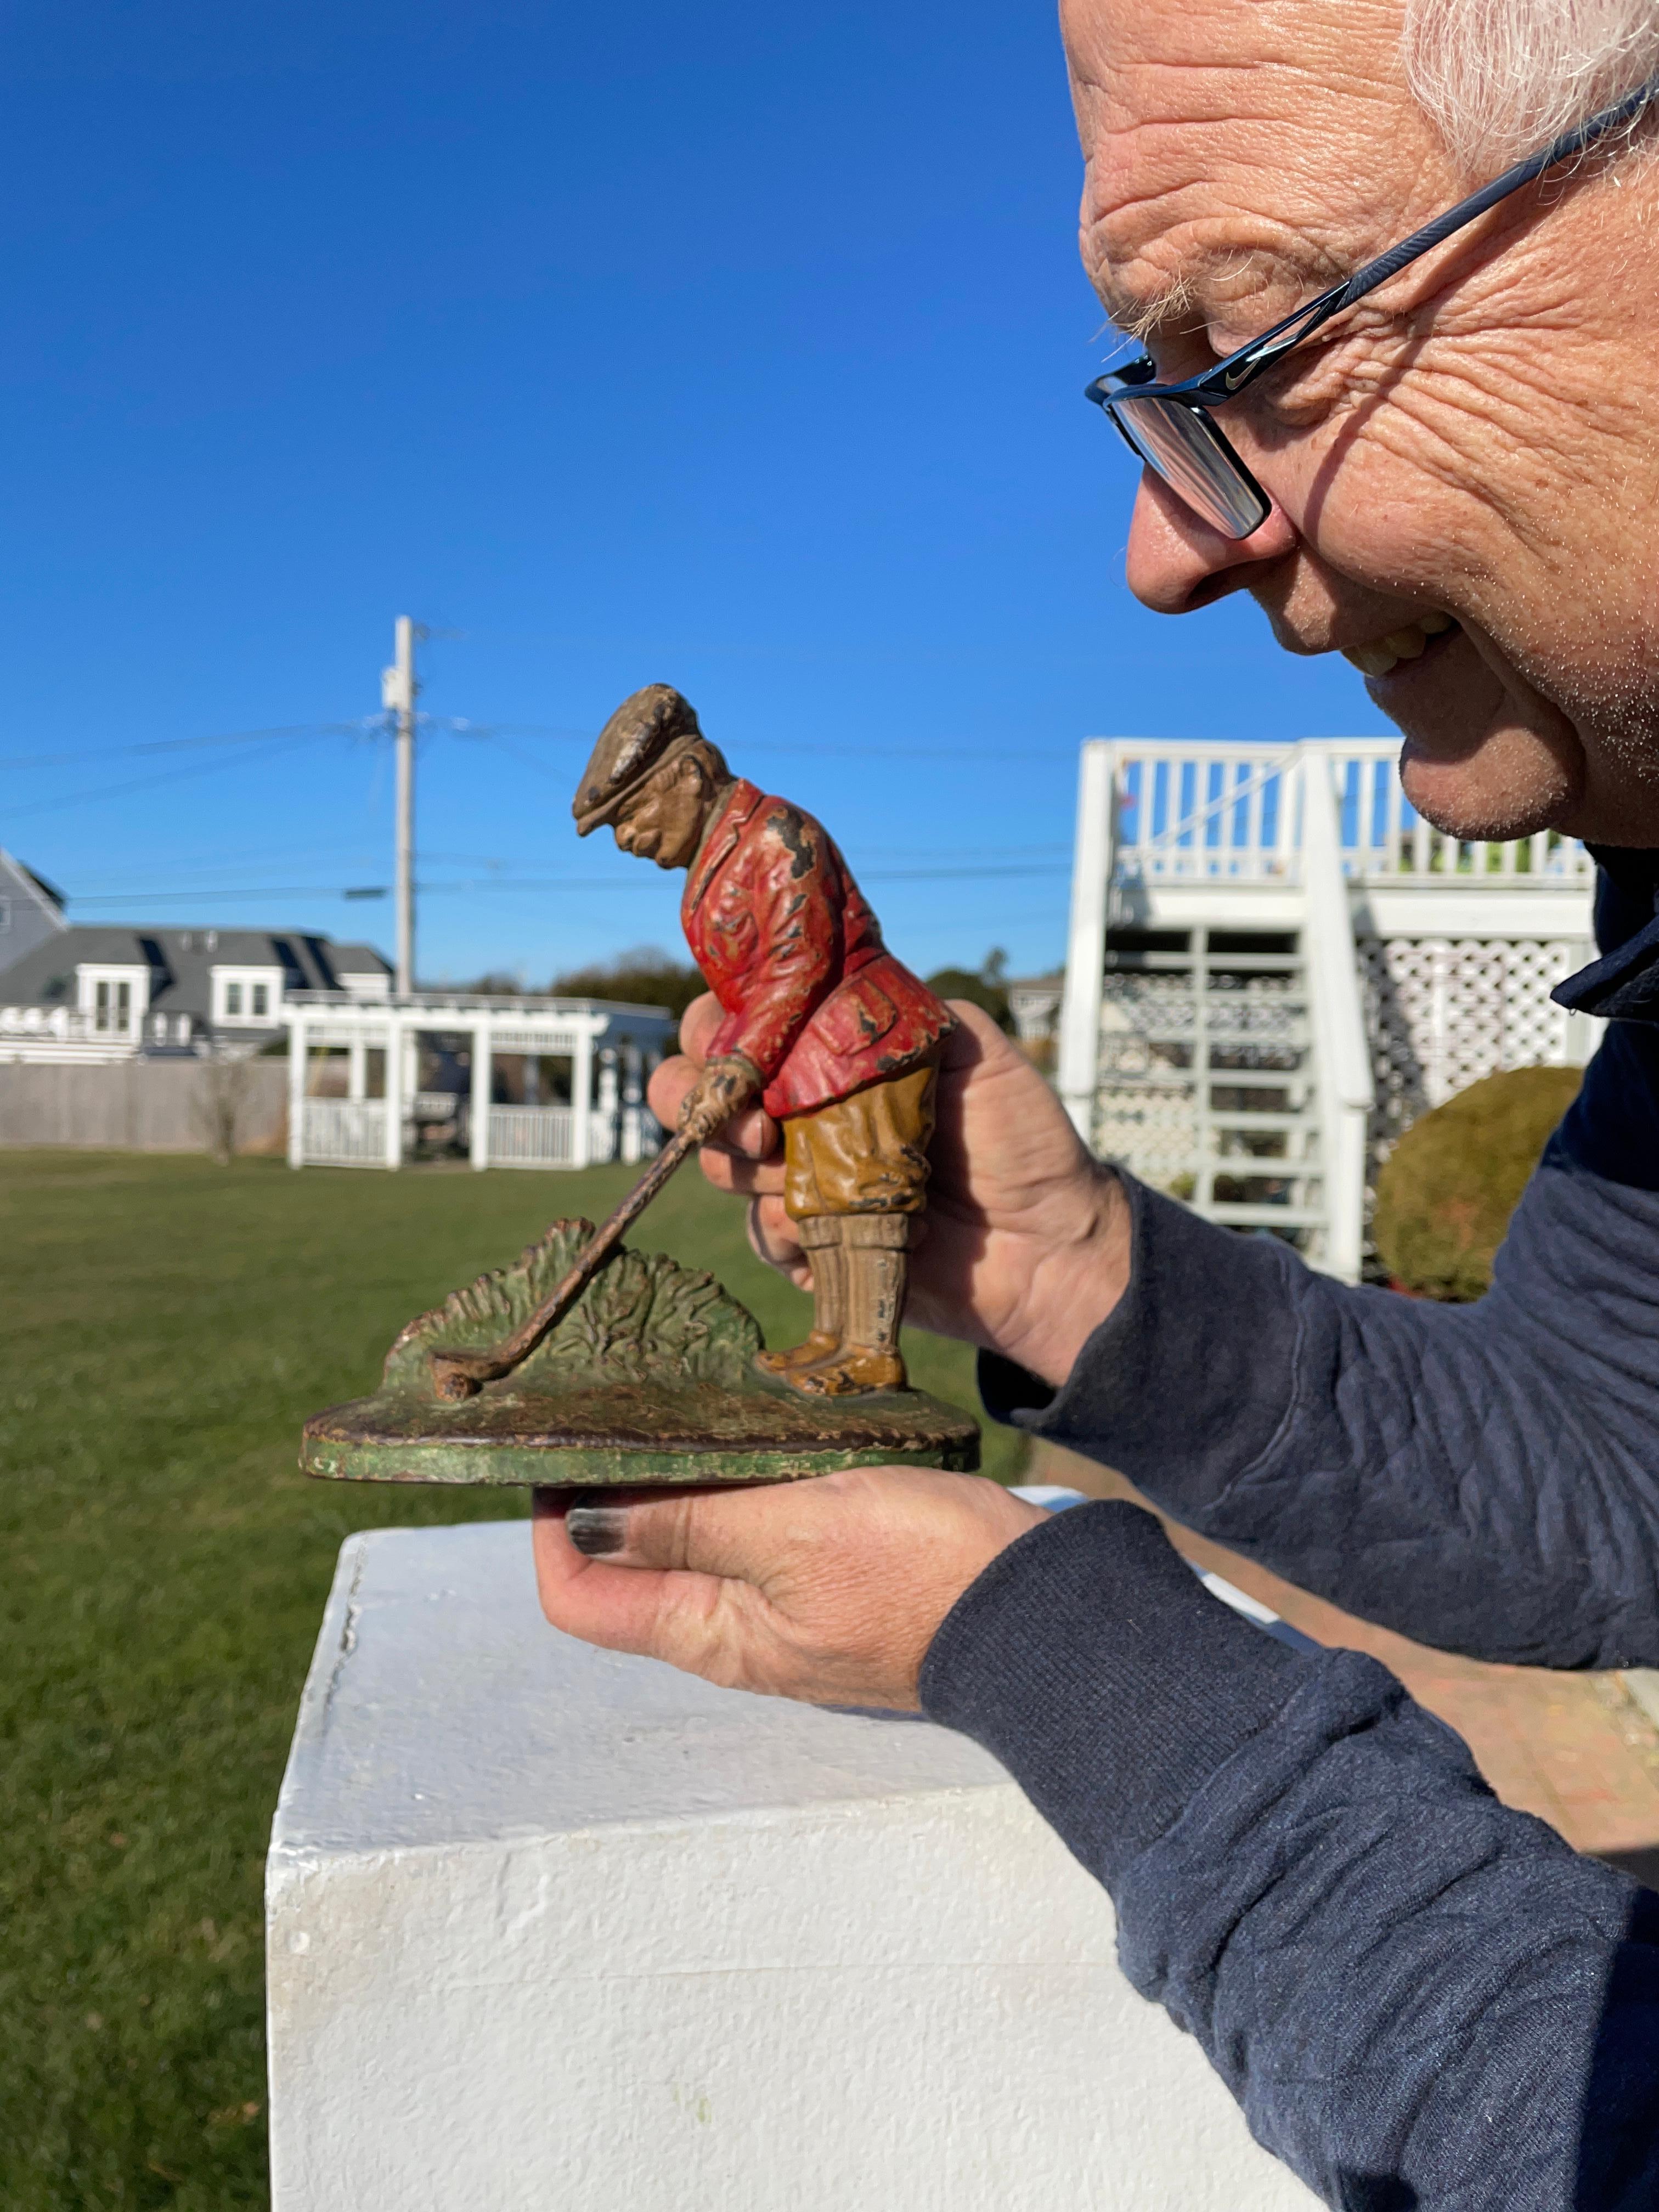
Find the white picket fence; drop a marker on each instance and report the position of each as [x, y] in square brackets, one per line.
[545, 1137]
[345, 1132]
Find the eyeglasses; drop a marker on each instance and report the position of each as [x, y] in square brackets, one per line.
[1169, 427]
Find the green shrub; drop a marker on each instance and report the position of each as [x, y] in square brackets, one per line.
[1444, 1198]
[646, 976]
[981, 990]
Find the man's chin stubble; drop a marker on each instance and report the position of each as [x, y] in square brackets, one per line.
[1498, 791]
[1483, 759]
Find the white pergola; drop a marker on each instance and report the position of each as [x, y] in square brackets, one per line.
[612, 1049]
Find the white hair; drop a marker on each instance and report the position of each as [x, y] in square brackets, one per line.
[1499, 78]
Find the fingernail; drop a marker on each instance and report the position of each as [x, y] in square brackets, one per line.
[596, 1530]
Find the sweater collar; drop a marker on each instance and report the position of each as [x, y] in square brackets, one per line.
[1623, 985]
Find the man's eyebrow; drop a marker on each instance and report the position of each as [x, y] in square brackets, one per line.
[1140, 315]
[1179, 305]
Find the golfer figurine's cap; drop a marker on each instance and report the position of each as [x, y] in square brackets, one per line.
[653, 726]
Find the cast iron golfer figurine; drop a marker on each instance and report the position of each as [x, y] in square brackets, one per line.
[587, 1362]
[835, 1037]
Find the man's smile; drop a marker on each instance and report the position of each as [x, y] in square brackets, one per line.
[1379, 655]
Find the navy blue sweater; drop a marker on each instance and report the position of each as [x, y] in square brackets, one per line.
[1420, 1998]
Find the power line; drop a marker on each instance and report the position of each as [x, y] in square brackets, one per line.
[973, 873]
[292, 732]
[285, 736]
[179, 744]
[149, 783]
[826, 752]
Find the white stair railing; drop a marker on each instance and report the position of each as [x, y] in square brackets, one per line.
[1342, 1049]
[1093, 867]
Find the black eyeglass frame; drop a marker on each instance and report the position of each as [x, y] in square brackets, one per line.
[1135, 380]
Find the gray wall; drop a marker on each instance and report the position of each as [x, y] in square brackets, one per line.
[144, 1105]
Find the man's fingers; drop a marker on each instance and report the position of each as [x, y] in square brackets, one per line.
[666, 1092]
[772, 1237]
[751, 1134]
[697, 1026]
[729, 1170]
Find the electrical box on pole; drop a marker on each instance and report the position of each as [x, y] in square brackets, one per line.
[397, 692]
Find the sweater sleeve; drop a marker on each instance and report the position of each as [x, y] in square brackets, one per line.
[1421, 1999]
[1482, 1478]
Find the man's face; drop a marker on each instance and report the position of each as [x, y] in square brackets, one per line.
[1480, 445]
[664, 820]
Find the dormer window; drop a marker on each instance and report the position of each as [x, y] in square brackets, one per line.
[247, 997]
[114, 999]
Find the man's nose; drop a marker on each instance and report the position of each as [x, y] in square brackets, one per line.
[1176, 563]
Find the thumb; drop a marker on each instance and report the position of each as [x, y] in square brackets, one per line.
[732, 1532]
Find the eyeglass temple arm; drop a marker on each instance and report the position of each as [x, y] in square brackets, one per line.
[1283, 335]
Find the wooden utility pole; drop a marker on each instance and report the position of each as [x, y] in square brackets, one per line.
[397, 692]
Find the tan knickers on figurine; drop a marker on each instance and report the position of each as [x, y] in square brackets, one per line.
[864, 1154]
[854, 1178]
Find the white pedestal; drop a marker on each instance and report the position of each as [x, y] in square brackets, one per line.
[549, 1927]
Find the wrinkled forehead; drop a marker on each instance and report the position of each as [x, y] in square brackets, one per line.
[1237, 150]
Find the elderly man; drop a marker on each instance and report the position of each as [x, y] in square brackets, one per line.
[1421, 1998]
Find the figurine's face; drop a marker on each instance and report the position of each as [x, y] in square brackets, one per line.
[664, 820]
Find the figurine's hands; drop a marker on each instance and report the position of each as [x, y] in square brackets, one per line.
[830, 1591]
[1025, 1243]
[719, 1091]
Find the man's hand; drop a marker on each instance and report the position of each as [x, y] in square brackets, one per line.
[828, 1590]
[723, 1089]
[1025, 1241]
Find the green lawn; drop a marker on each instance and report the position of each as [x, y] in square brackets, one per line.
[167, 1325]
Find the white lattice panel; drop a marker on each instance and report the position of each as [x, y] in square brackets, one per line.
[1154, 1132]
[1160, 1007]
[1441, 1013]
[1168, 1041]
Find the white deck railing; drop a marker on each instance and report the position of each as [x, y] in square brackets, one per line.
[69, 1025]
[1187, 812]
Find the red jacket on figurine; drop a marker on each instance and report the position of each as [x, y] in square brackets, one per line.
[812, 997]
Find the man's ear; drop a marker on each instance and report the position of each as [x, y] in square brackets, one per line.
[689, 770]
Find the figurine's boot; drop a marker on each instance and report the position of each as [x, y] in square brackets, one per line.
[875, 1247]
[820, 1239]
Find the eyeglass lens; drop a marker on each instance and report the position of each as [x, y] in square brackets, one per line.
[1185, 448]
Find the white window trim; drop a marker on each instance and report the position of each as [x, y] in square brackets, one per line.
[247, 977]
[90, 974]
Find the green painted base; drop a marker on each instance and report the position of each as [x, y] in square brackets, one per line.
[650, 1379]
[643, 1433]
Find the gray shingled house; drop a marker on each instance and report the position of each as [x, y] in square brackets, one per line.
[107, 991]
[31, 910]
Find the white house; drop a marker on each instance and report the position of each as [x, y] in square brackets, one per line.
[1274, 964]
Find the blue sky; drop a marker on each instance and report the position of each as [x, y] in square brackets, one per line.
[737, 347]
